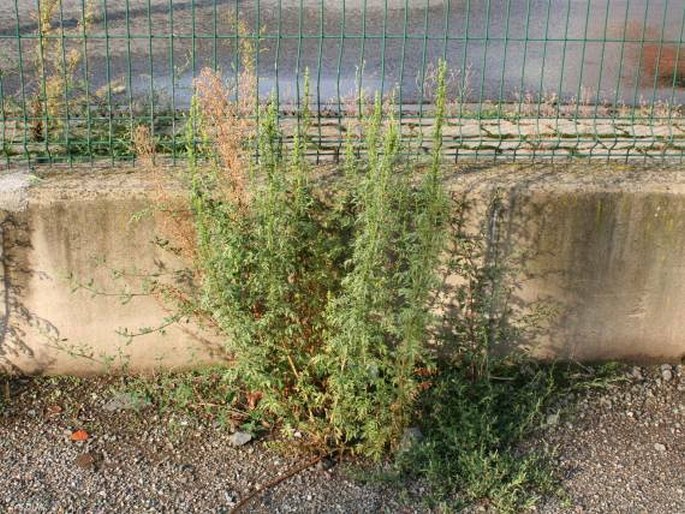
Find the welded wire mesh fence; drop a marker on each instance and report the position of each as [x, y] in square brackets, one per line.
[527, 78]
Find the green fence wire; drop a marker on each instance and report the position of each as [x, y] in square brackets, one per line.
[528, 79]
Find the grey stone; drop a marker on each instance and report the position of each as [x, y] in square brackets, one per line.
[606, 403]
[85, 460]
[239, 438]
[13, 191]
[666, 372]
[659, 447]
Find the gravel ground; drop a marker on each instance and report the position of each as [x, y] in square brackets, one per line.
[138, 460]
[623, 450]
[619, 450]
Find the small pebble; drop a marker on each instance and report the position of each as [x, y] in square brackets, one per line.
[666, 374]
[85, 460]
[553, 419]
[240, 438]
[636, 373]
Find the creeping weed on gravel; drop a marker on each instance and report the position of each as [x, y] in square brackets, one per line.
[472, 427]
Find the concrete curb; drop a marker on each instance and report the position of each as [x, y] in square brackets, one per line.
[602, 244]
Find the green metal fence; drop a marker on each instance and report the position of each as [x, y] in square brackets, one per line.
[529, 79]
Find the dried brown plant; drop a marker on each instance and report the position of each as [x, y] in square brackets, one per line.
[144, 147]
[174, 218]
[228, 122]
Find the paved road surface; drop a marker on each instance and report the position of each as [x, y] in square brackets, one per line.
[573, 47]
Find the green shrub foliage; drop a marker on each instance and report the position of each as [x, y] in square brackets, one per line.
[322, 281]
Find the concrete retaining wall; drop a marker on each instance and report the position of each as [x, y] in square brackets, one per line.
[604, 246]
[79, 253]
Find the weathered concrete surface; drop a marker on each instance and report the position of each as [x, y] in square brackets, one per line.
[603, 246]
[77, 260]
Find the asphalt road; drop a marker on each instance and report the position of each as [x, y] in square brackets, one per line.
[495, 49]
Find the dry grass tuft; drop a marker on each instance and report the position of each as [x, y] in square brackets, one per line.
[144, 147]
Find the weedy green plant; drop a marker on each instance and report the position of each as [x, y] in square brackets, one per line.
[324, 283]
[323, 296]
[62, 89]
[203, 393]
[477, 430]
[62, 113]
[473, 428]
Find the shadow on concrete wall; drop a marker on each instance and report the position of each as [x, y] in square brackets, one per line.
[591, 273]
[17, 318]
